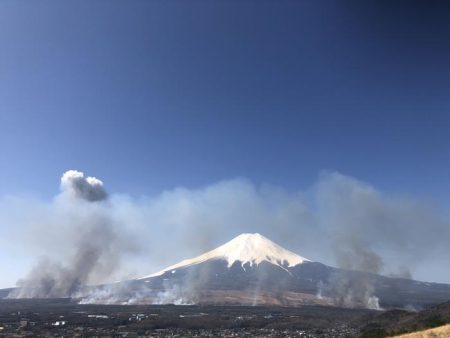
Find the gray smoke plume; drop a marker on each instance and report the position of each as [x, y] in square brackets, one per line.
[354, 283]
[89, 188]
[369, 230]
[92, 241]
[338, 221]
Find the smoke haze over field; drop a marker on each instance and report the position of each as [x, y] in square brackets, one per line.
[85, 236]
[90, 245]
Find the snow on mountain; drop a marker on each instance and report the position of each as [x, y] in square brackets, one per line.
[245, 248]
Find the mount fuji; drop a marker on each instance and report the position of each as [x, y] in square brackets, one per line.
[252, 270]
[246, 250]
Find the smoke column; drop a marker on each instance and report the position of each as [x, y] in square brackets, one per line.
[84, 233]
[78, 186]
[93, 247]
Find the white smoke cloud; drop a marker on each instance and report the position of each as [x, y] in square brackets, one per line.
[79, 243]
[337, 219]
[403, 231]
[77, 185]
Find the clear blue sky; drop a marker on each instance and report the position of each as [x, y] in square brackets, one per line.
[148, 95]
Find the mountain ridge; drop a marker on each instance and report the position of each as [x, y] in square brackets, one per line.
[252, 270]
[252, 248]
[251, 264]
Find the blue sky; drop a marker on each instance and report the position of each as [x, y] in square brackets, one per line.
[151, 95]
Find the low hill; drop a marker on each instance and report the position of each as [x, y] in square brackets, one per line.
[395, 322]
[438, 332]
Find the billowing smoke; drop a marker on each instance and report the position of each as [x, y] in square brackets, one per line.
[370, 231]
[77, 185]
[354, 283]
[92, 246]
[84, 234]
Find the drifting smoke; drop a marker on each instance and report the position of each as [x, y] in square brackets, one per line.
[354, 283]
[125, 293]
[129, 293]
[85, 234]
[94, 244]
[177, 295]
[364, 225]
[88, 188]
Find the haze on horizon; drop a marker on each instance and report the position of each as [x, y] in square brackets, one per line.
[305, 121]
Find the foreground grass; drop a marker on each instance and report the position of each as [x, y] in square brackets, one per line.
[437, 332]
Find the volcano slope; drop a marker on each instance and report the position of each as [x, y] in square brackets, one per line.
[252, 270]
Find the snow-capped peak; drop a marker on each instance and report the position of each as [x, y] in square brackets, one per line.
[245, 248]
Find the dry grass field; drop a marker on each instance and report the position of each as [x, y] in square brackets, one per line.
[437, 332]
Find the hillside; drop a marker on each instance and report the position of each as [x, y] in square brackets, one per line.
[397, 322]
